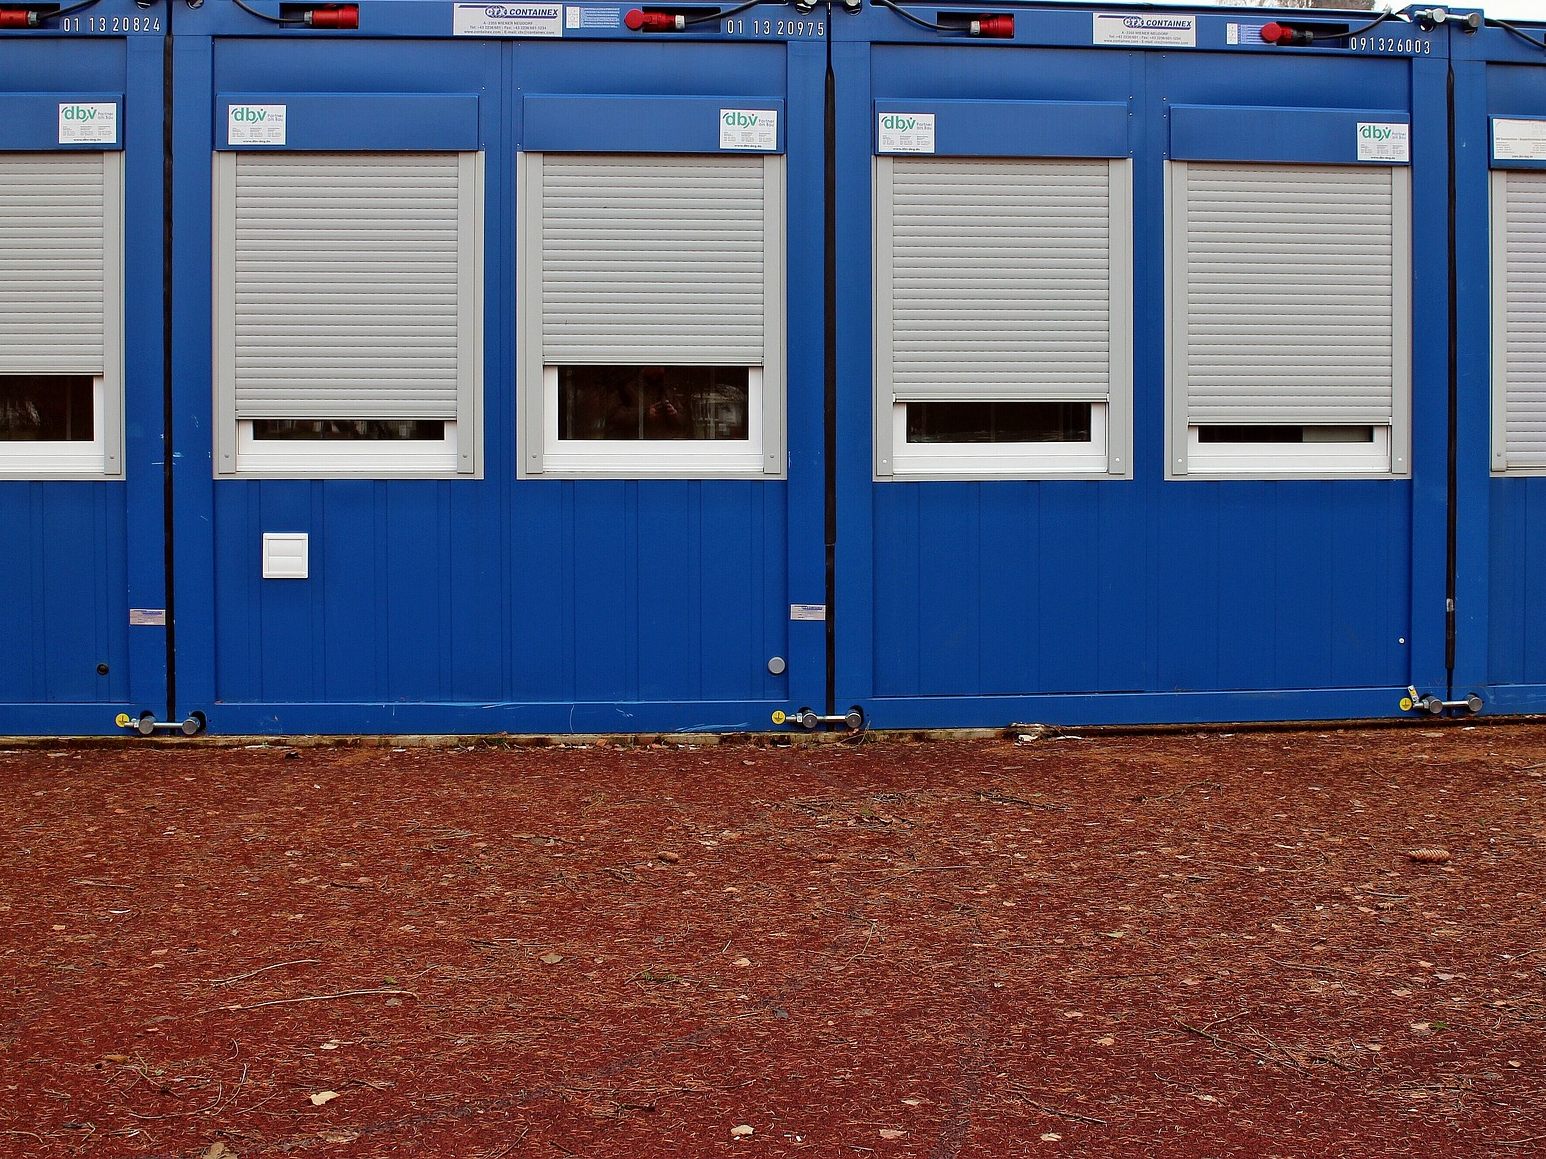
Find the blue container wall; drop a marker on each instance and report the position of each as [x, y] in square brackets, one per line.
[495, 604]
[1501, 564]
[80, 554]
[1127, 601]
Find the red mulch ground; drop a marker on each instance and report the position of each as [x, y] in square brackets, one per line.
[1183, 944]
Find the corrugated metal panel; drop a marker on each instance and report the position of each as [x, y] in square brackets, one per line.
[1289, 293]
[999, 278]
[653, 259]
[54, 273]
[1521, 281]
[348, 288]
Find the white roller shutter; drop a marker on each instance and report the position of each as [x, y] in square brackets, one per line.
[60, 263]
[999, 278]
[348, 284]
[1519, 319]
[663, 259]
[1289, 294]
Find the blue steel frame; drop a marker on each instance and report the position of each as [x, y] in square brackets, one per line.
[1500, 545]
[493, 604]
[80, 555]
[1144, 600]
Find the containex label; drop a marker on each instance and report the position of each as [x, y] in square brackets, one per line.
[507, 20]
[1155, 30]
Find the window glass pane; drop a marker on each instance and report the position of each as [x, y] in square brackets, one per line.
[1284, 434]
[998, 422]
[349, 430]
[46, 408]
[630, 403]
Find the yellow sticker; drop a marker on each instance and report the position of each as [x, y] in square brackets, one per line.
[121, 720]
[778, 716]
[1406, 704]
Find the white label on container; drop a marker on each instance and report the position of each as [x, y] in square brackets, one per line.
[1154, 30]
[748, 128]
[1518, 140]
[147, 617]
[1231, 33]
[88, 124]
[807, 611]
[1383, 142]
[906, 132]
[507, 20]
[255, 125]
[577, 17]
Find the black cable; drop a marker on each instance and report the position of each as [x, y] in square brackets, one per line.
[262, 15]
[67, 10]
[908, 16]
[1352, 32]
[1519, 32]
[708, 18]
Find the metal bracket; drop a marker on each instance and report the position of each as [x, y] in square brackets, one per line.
[1433, 705]
[809, 719]
[148, 725]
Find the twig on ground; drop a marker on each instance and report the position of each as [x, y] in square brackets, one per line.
[1026, 1096]
[1231, 1044]
[262, 969]
[314, 998]
[102, 884]
[1308, 966]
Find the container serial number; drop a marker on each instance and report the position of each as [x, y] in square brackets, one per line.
[775, 28]
[110, 24]
[1409, 44]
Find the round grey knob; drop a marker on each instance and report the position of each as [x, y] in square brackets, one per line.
[777, 665]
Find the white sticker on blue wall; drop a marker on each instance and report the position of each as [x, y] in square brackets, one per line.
[88, 124]
[748, 129]
[905, 133]
[1152, 30]
[577, 17]
[1518, 140]
[507, 20]
[1378, 142]
[255, 125]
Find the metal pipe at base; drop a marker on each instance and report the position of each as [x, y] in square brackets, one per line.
[148, 725]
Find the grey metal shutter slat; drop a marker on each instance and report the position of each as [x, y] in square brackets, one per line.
[999, 278]
[1288, 294]
[53, 263]
[653, 259]
[346, 280]
[1523, 353]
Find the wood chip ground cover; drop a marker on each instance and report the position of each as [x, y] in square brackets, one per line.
[1179, 944]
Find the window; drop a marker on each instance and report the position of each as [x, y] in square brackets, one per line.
[651, 315]
[1289, 320]
[61, 315]
[349, 312]
[1518, 322]
[1003, 318]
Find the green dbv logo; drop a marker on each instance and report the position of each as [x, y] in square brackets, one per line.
[898, 123]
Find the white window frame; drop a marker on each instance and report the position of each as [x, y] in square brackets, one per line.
[60, 458]
[313, 458]
[1107, 454]
[1502, 464]
[540, 454]
[458, 455]
[103, 457]
[690, 457]
[1086, 458]
[1387, 456]
[1310, 458]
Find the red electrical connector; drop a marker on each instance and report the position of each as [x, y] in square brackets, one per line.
[638, 20]
[18, 18]
[343, 16]
[996, 27]
[1275, 33]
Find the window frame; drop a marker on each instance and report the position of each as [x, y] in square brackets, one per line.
[1188, 459]
[1499, 336]
[458, 456]
[538, 453]
[1038, 461]
[102, 459]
